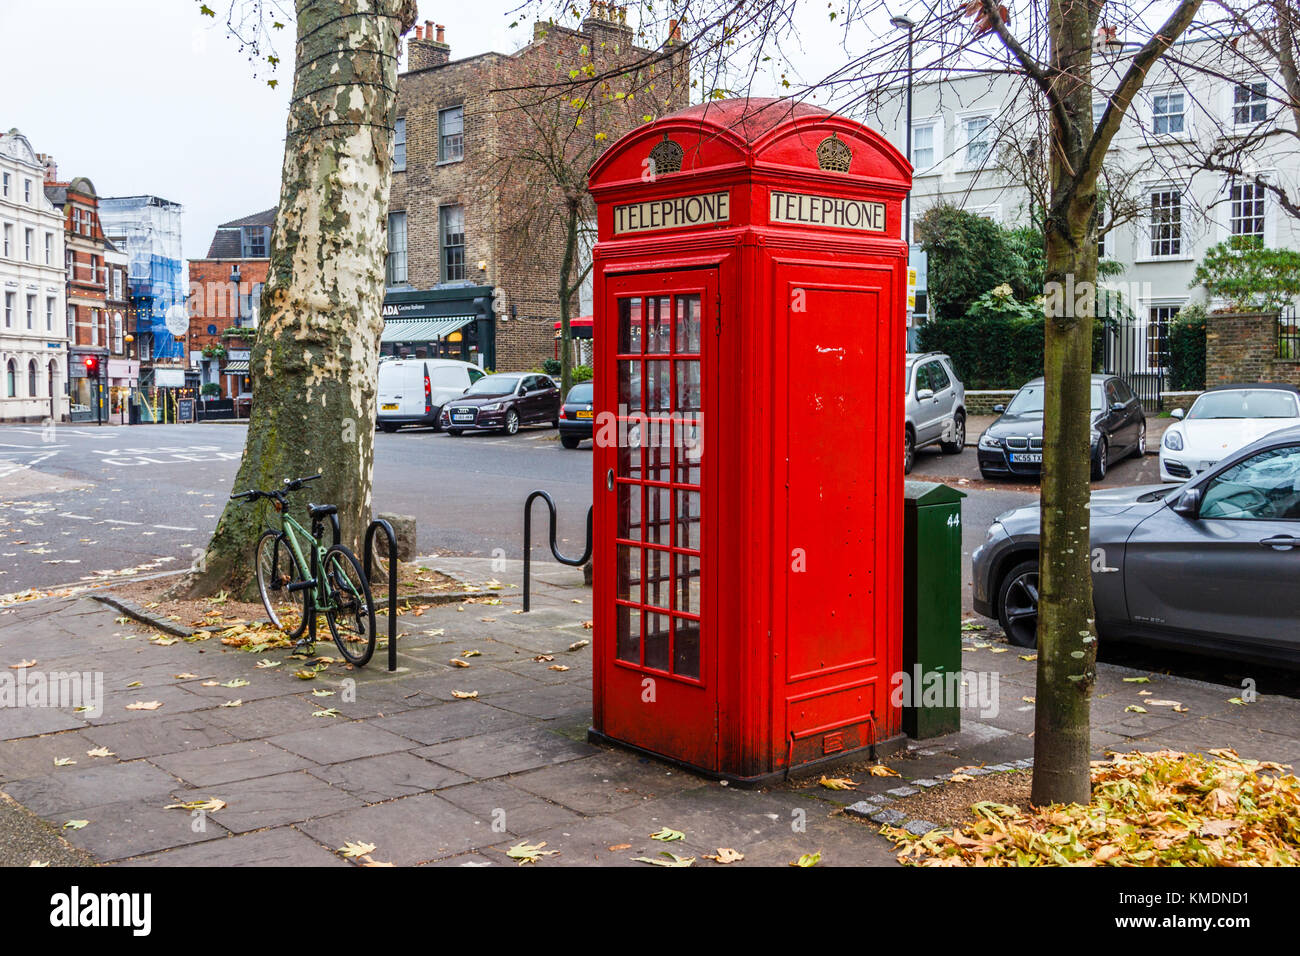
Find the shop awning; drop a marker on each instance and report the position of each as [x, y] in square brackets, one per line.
[580, 327]
[235, 368]
[423, 330]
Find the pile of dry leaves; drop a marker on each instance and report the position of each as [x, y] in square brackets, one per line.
[1149, 809]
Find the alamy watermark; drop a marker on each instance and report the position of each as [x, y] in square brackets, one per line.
[82, 691]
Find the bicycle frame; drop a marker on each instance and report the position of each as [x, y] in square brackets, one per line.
[318, 595]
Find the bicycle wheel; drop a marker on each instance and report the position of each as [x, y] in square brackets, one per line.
[350, 610]
[277, 568]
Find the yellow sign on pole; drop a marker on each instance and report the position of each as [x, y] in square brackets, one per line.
[911, 290]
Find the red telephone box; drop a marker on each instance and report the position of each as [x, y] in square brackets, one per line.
[750, 291]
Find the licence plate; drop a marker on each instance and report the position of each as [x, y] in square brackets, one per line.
[462, 416]
[390, 407]
[582, 415]
[1029, 458]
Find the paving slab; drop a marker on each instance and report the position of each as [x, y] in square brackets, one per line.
[605, 783]
[18, 722]
[240, 760]
[276, 800]
[507, 751]
[545, 702]
[35, 756]
[132, 828]
[165, 734]
[335, 742]
[283, 846]
[374, 779]
[268, 718]
[61, 793]
[406, 831]
[453, 721]
[520, 812]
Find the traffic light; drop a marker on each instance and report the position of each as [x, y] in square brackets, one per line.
[92, 366]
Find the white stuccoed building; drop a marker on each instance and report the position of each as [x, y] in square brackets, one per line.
[33, 323]
[963, 129]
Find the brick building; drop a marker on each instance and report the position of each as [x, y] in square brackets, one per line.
[462, 281]
[225, 299]
[102, 372]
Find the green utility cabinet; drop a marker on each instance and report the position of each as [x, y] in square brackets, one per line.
[932, 581]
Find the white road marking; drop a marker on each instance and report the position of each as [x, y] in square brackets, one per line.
[69, 514]
[172, 527]
[119, 521]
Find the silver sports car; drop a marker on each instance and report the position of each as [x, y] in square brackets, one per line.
[1211, 565]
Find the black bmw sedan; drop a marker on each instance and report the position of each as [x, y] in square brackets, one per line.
[1013, 445]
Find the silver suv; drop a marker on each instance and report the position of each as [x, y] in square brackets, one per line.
[935, 406]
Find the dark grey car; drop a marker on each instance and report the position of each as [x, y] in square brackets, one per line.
[1212, 564]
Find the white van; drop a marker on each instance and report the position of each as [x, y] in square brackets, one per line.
[413, 391]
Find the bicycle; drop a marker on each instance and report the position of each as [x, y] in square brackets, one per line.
[336, 587]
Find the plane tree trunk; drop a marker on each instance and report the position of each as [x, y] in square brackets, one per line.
[315, 358]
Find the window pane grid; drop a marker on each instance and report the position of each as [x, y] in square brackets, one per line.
[1166, 223]
[1247, 210]
[658, 484]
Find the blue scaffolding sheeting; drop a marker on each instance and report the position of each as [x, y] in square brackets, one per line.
[148, 230]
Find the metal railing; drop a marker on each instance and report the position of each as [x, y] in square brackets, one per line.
[555, 551]
[379, 524]
[1288, 335]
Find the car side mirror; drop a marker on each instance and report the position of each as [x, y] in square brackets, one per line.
[999, 409]
[924, 393]
[1177, 413]
[1117, 406]
[1188, 503]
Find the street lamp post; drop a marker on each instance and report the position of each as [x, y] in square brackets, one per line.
[901, 22]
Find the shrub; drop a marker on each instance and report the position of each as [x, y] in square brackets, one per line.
[551, 366]
[996, 349]
[581, 373]
[1187, 349]
[969, 255]
[211, 388]
[1251, 277]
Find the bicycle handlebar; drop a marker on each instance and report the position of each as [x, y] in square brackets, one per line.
[291, 484]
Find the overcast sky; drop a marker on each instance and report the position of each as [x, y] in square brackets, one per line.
[147, 96]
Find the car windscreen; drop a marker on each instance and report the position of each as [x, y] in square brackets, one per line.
[1029, 400]
[1249, 403]
[581, 392]
[494, 385]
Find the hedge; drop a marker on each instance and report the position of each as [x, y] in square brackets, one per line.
[994, 351]
[1187, 351]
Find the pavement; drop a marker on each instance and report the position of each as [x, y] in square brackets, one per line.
[399, 761]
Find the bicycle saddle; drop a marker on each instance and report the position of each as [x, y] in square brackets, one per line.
[322, 511]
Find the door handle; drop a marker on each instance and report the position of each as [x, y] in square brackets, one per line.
[609, 480]
[1281, 542]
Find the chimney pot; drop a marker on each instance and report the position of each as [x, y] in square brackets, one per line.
[419, 33]
[428, 29]
[440, 29]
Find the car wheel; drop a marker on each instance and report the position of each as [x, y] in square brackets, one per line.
[386, 428]
[512, 422]
[454, 432]
[1099, 462]
[1017, 605]
[1141, 449]
[958, 442]
[909, 450]
[570, 441]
